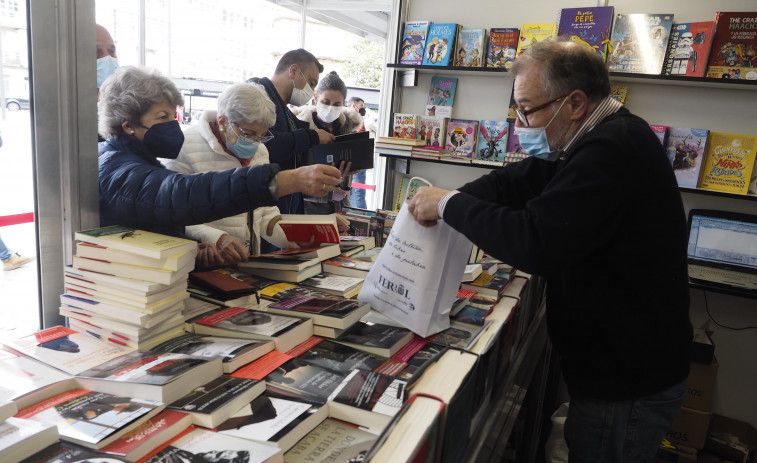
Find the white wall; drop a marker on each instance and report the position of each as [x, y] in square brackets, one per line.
[730, 110]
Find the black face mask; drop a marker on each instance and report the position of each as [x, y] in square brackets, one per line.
[164, 139]
[361, 111]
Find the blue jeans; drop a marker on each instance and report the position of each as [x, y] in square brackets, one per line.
[357, 195]
[621, 431]
[5, 253]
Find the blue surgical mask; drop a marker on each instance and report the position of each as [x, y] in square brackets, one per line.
[106, 66]
[534, 140]
[243, 149]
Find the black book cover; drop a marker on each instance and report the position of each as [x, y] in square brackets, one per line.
[358, 151]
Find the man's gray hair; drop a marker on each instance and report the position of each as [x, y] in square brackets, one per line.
[247, 102]
[566, 66]
[128, 94]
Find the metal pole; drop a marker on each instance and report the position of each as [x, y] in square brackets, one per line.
[303, 22]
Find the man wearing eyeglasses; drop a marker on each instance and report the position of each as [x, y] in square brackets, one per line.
[293, 81]
[596, 211]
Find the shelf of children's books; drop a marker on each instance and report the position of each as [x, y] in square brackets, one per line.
[745, 293]
[722, 194]
[437, 161]
[447, 70]
[736, 84]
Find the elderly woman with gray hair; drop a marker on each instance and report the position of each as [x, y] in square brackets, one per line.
[137, 117]
[229, 138]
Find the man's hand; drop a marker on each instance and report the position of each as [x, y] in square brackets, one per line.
[425, 205]
[231, 249]
[324, 137]
[315, 180]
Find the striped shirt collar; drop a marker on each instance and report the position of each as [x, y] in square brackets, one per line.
[605, 108]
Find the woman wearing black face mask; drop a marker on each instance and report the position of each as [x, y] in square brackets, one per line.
[331, 115]
[137, 117]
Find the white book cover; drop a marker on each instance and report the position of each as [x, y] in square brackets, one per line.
[23, 376]
[203, 445]
[7, 408]
[20, 438]
[67, 350]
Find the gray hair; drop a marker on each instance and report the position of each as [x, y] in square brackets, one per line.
[566, 66]
[129, 93]
[332, 81]
[247, 102]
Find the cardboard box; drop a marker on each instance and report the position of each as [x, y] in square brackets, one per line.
[731, 439]
[690, 428]
[700, 385]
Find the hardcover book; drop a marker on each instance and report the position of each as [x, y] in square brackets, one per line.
[440, 44]
[238, 322]
[513, 145]
[145, 438]
[222, 283]
[686, 148]
[315, 252]
[503, 43]
[462, 135]
[157, 376]
[317, 228]
[492, 142]
[65, 349]
[340, 442]
[433, 129]
[369, 398]
[275, 420]
[413, 42]
[639, 42]
[201, 445]
[471, 43]
[732, 55]
[376, 338]
[405, 126]
[214, 402]
[357, 150]
[20, 438]
[532, 33]
[661, 131]
[688, 49]
[140, 242]
[729, 162]
[91, 419]
[442, 91]
[588, 26]
[233, 352]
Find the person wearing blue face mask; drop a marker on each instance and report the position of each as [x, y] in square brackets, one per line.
[107, 60]
[137, 118]
[595, 210]
[232, 137]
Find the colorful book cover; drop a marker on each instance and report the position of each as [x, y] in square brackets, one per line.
[492, 142]
[405, 126]
[442, 91]
[503, 42]
[462, 135]
[661, 131]
[531, 34]
[413, 42]
[686, 149]
[729, 161]
[619, 93]
[433, 129]
[440, 44]
[639, 42]
[513, 145]
[688, 49]
[734, 46]
[471, 43]
[589, 26]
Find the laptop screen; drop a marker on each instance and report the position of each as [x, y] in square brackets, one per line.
[723, 239]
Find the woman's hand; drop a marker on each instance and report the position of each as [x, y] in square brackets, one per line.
[208, 256]
[315, 180]
[231, 249]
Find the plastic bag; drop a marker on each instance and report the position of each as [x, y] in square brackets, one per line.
[416, 276]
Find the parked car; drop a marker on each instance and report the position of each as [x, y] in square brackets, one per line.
[14, 104]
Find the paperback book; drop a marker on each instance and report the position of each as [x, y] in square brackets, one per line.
[151, 434]
[233, 352]
[335, 439]
[503, 43]
[413, 42]
[492, 142]
[733, 46]
[462, 136]
[459, 335]
[63, 452]
[305, 380]
[140, 242]
[440, 46]
[201, 445]
[26, 381]
[214, 402]
[174, 262]
[441, 98]
[532, 33]
[471, 43]
[433, 130]
[336, 357]
[688, 49]
[405, 126]
[325, 311]
[686, 148]
[587, 26]
[369, 398]
[639, 42]
[20, 438]
[338, 285]
[729, 162]
[376, 338]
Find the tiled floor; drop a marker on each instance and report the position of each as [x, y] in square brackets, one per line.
[19, 300]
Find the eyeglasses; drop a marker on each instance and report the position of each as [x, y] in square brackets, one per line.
[250, 138]
[522, 114]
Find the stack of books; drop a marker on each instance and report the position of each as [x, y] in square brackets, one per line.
[128, 286]
[394, 146]
[20, 438]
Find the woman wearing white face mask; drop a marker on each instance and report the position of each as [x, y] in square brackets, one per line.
[229, 138]
[330, 114]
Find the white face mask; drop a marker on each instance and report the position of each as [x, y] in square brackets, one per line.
[301, 96]
[328, 113]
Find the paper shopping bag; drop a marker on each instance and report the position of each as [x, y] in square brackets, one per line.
[416, 276]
